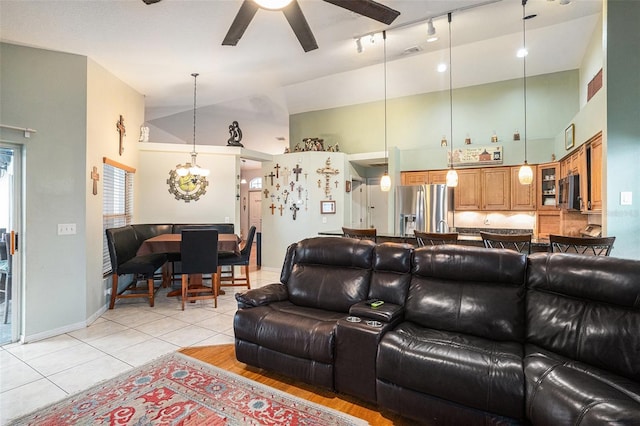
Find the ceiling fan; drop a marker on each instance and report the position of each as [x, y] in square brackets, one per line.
[293, 13]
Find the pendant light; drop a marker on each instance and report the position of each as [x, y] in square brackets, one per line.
[192, 169]
[452, 175]
[525, 174]
[385, 182]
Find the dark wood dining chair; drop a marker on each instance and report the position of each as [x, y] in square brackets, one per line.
[234, 260]
[360, 233]
[588, 246]
[199, 255]
[435, 238]
[518, 242]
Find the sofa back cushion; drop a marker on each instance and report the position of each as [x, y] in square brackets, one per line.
[330, 273]
[586, 308]
[391, 272]
[470, 290]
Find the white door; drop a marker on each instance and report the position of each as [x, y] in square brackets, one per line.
[358, 204]
[255, 210]
[377, 206]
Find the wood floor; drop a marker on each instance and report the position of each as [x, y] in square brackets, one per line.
[223, 356]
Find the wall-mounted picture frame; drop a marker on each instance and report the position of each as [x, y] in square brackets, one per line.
[569, 136]
[327, 207]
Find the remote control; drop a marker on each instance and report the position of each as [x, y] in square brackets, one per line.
[377, 303]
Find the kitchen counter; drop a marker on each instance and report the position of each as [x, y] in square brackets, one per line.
[468, 237]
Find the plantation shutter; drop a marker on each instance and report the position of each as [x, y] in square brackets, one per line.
[117, 204]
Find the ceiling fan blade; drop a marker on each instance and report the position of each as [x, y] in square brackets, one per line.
[369, 8]
[150, 1]
[300, 26]
[240, 23]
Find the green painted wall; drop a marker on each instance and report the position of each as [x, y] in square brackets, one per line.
[623, 125]
[417, 123]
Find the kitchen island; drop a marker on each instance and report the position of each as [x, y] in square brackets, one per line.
[466, 236]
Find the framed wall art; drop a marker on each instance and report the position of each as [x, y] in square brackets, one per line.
[569, 136]
[327, 207]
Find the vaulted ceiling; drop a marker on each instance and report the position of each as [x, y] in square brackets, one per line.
[267, 76]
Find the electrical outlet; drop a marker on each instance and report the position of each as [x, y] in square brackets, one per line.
[626, 198]
[226, 219]
[66, 229]
[324, 220]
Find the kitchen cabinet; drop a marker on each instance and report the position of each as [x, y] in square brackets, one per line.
[548, 189]
[437, 177]
[467, 195]
[548, 222]
[594, 173]
[414, 178]
[523, 197]
[496, 188]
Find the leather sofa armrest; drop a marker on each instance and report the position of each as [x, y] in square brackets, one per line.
[388, 312]
[262, 296]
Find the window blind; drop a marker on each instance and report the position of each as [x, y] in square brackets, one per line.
[117, 204]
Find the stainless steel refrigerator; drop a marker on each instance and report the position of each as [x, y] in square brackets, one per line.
[422, 208]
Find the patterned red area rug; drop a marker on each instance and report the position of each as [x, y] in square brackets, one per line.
[180, 390]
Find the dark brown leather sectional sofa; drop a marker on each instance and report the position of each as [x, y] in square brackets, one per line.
[466, 335]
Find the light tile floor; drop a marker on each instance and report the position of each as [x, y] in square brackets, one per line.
[40, 373]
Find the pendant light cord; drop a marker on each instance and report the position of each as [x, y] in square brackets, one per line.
[195, 85]
[386, 159]
[450, 95]
[524, 73]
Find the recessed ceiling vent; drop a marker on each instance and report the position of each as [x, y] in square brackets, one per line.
[412, 50]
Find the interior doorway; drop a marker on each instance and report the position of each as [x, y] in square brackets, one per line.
[255, 210]
[10, 160]
[377, 206]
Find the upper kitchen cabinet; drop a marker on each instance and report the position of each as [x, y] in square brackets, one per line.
[467, 195]
[496, 188]
[547, 179]
[437, 177]
[523, 197]
[414, 178]
[594, 173]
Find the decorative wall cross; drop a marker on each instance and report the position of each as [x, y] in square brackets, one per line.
[299, 191]
[286, 195]
[271, 175]
[297, 170]
[277, 167]
[327, 171]
[273, 208]
[277, 187]
[292, 184]
[281, 208]
[122, 132]
[95, 176]
[294, 208]
[266, 193]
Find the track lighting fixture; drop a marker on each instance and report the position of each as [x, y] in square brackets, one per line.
[431, 30]
[359, 45]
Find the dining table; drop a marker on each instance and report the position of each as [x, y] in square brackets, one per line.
[170, 243]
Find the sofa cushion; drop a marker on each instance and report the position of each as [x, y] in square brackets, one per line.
[391, 272]
[330, 273]
[566, 392]
[468, 370]
[587, 309]
[286, 328]
[469, 290]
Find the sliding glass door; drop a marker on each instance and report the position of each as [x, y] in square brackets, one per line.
[10, 172]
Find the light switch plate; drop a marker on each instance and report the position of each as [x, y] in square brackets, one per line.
[66, 229]
[626, 198]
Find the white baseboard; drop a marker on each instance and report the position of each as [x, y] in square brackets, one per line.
[66, 329]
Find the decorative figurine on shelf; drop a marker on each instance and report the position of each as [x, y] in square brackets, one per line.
[235, 135]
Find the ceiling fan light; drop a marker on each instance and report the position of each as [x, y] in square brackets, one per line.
[272, 4]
